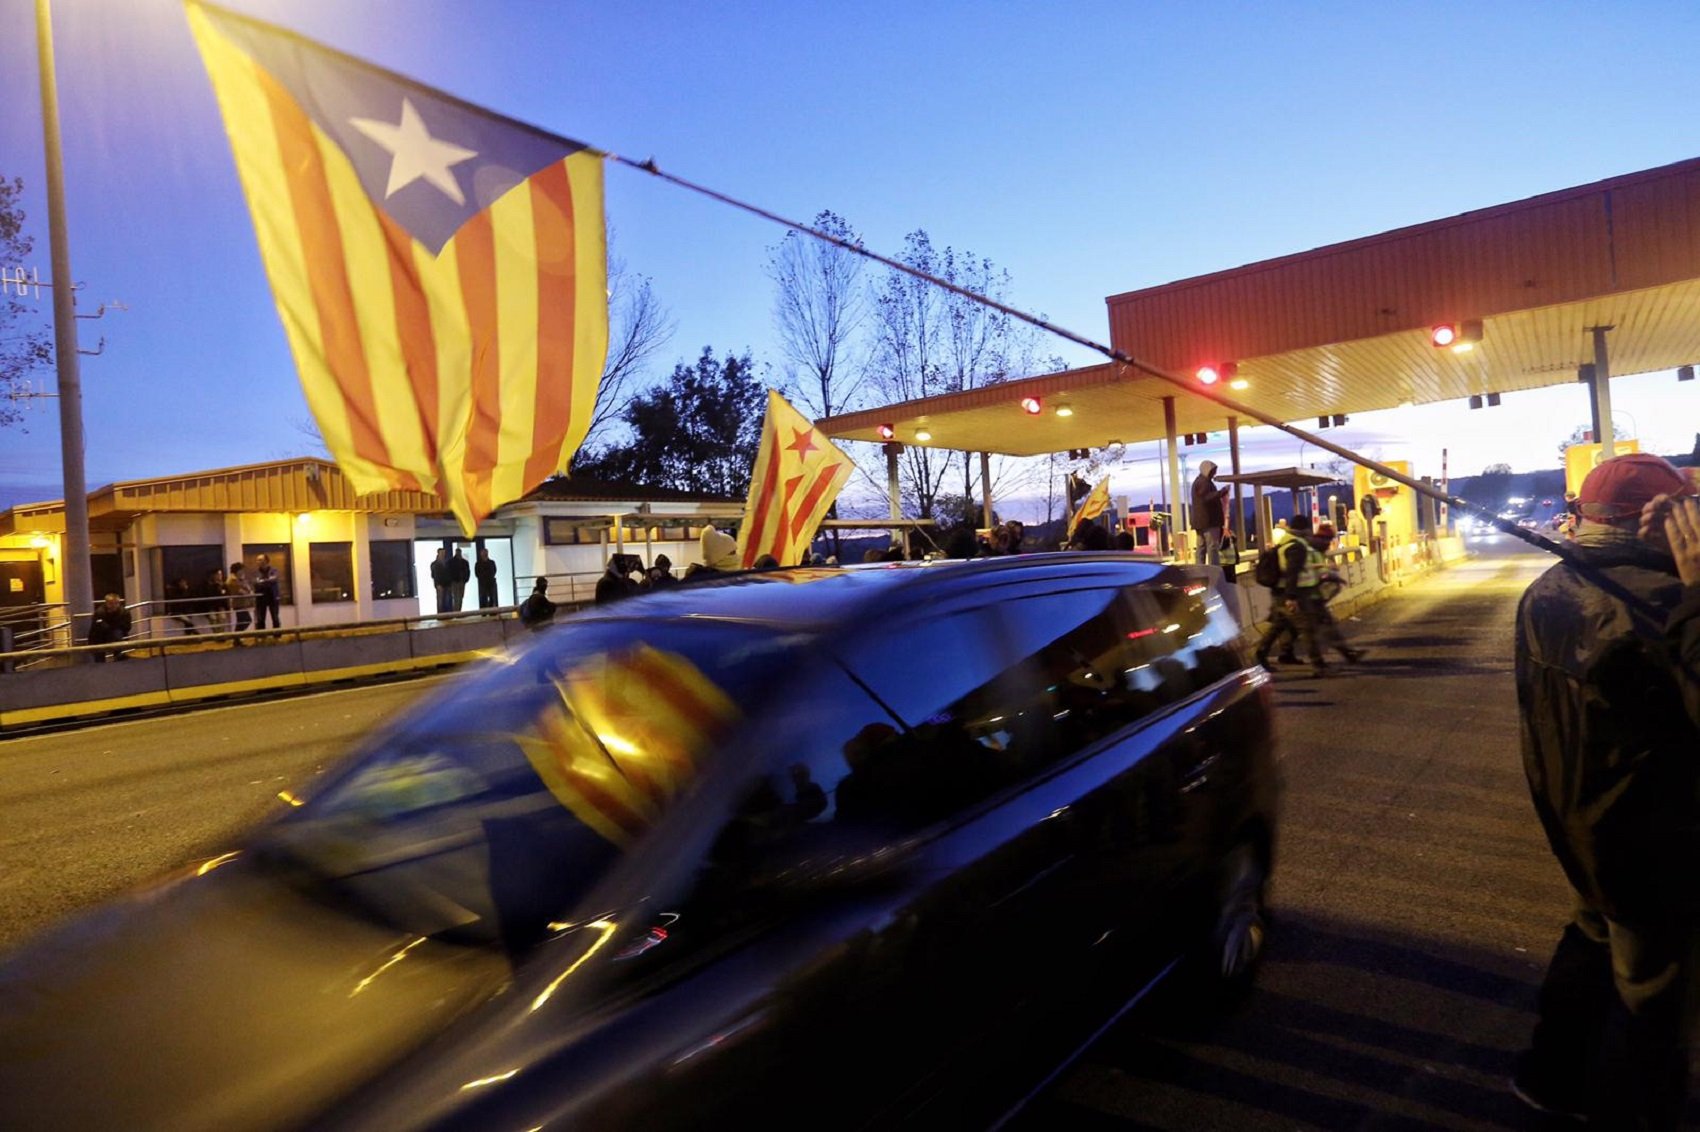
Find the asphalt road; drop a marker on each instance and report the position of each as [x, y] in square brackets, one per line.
[1416, 900]
[91, 812]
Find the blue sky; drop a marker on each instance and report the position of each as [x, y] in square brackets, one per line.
[1089, 148]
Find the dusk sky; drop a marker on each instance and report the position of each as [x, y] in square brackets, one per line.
[1088, 148]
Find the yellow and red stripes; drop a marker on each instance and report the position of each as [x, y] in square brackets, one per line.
[797, 475]
[471, 373]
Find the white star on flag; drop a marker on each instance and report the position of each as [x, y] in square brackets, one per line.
[415, 153]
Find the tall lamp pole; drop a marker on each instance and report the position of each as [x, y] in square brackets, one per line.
[79, 585]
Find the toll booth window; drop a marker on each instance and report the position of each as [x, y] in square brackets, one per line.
[330, 565]
[392, 570]
[183, 575]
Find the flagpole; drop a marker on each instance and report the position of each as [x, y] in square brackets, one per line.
[75, 571]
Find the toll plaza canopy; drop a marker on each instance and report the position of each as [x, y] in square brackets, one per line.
[1347, 328]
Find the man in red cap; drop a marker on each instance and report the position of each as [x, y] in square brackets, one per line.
[1613, 762]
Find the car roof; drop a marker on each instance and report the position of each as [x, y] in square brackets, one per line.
[814, 598]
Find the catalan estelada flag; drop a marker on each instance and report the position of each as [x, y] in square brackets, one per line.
[624, 737]
[798, 473]
[441, 271]
[1092, 506]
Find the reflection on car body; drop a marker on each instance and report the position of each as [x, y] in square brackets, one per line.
[843, 844]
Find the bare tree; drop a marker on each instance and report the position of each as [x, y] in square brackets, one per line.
[909, 322]
[26, 348]
[638, 327]
[819, 306]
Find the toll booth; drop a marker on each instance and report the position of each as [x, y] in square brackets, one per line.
[1293, 480]
[1392, 516]
[1149, 531]
[1580, 459]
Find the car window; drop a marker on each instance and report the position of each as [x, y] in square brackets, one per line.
[492, 808]
[950, 683]
[1189, 637]
[1087, 669]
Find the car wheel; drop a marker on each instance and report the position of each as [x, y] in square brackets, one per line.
[1241, 930]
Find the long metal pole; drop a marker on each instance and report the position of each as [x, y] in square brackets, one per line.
[1174, 500]
[79, 584]
[1238, 525]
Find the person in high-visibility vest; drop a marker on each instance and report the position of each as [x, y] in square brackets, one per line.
[1297, 605]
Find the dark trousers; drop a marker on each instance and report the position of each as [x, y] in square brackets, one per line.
[1617, 1011]
[1295, 622]
[486, 594]
[263, 602]
[243, 619]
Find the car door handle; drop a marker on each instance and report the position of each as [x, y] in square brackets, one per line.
[1198, 774]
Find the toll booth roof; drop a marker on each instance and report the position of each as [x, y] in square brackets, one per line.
[1290, 478]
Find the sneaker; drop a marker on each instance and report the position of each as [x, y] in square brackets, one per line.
[1545, 1097]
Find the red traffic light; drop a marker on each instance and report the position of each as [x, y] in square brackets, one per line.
[887, 432]
[1208, 375]
[1032, 405]
[1457, 336]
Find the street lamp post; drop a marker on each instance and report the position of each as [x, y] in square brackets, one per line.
[79, 586]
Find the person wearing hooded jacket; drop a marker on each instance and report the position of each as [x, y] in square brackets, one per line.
[719, 554]
[1612, 756]
[1208, 514]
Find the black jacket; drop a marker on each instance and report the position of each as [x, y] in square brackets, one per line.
[1684, 635]
[1608, 747]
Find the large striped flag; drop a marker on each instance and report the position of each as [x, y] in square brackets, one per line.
[440, 270]
[1092, 506]
[798, 473]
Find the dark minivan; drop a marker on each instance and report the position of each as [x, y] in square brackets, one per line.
[838, 847]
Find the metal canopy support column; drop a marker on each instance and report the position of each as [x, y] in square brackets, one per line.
[1602, 394]
[986, 486]
[1237, 522]
[1261, 506]
[1174, 500]
[892, 450]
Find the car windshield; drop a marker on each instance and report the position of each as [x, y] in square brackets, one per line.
[487, 812]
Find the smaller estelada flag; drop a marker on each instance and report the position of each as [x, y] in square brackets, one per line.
[1096, 504]
[798, 473]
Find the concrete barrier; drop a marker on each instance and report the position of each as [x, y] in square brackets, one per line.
[157, 673]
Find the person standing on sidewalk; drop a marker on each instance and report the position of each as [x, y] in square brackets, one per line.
[266, 583]
[1207, 514]
[1611, 757]
[240, 593]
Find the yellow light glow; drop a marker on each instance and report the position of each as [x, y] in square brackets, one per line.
[40, 542]
[1065, 410]
[923, 435]
[618, 745]
[222, 859]
[388, 963]
[290, 798]
[606, 927]
[304, 520]
[482, 1081]
[1239, 383]
[1463, 347]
